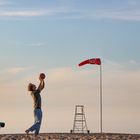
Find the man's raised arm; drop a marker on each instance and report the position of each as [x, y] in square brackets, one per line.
[41, 85]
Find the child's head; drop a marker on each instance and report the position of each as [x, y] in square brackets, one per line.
[31, 87]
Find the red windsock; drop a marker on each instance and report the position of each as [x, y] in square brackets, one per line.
[96, 61]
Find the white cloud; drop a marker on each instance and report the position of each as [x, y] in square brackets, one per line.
[129, 11]
[37, 12]
[22, 13]
[16, 70]
[39, 44]
[130, 14]
[67, 87]
[69, 12]
[133, 62]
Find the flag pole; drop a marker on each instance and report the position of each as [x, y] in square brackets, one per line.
[101, 118]
[98, 62]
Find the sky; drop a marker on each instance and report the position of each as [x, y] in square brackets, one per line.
[54, 37]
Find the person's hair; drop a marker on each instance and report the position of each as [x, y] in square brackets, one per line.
[30, 87]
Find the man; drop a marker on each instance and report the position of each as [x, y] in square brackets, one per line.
[35, 93]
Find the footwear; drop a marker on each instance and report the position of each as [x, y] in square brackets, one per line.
[27, 131]
[36, 134]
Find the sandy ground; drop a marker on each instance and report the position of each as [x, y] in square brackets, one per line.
[68, 136]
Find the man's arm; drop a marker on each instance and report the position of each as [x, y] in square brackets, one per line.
[41, 85]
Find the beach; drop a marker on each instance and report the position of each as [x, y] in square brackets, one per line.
[69, 136]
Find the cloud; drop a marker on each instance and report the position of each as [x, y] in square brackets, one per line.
[133, 62]
[128, 15]
[131, 12]
[21, 13]
[67, 87]
[39, 44]
[128, 11]
[16, 70]
[34, 12]
[107, 14]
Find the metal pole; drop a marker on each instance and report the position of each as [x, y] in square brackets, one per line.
[101, 118]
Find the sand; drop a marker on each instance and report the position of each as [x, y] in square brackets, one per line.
[69, 136]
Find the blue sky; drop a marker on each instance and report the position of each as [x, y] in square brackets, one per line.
[53, 37]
